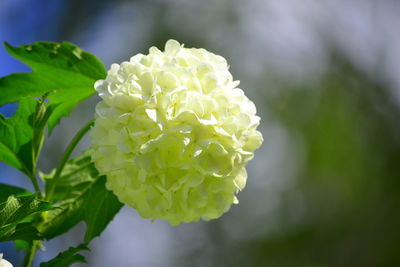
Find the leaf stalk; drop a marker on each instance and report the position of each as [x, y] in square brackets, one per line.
[72, 145]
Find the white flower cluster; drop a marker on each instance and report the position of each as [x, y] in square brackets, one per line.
[173, 134]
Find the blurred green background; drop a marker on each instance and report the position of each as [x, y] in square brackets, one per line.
[323, 190]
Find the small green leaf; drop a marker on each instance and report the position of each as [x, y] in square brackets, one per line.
[15, 216]
[63, 70]
[100, 208]
[15, 209]
[82, 196]
[66, 258]
[16, 136]
[21, 231]
[77, 175]
[8, 190]
[21, 244]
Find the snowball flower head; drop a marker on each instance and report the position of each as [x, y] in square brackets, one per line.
[173, 134]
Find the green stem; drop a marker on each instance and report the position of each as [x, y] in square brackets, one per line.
[35, 185]
[40, 119]
[74, 142]
[30, 254]
[39, 124]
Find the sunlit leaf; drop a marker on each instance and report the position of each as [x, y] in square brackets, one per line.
[63, 70]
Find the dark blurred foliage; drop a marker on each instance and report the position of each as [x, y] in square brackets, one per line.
[349, 182]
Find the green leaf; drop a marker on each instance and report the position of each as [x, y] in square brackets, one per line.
[15, 209]
[15, 217]
[63, 70]
[8, 190]
[100, 208]
[21, 244]
[16, 136]
[81, 195]
[66, 258]
[21, 231]
[77, 175]
[64, 101]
